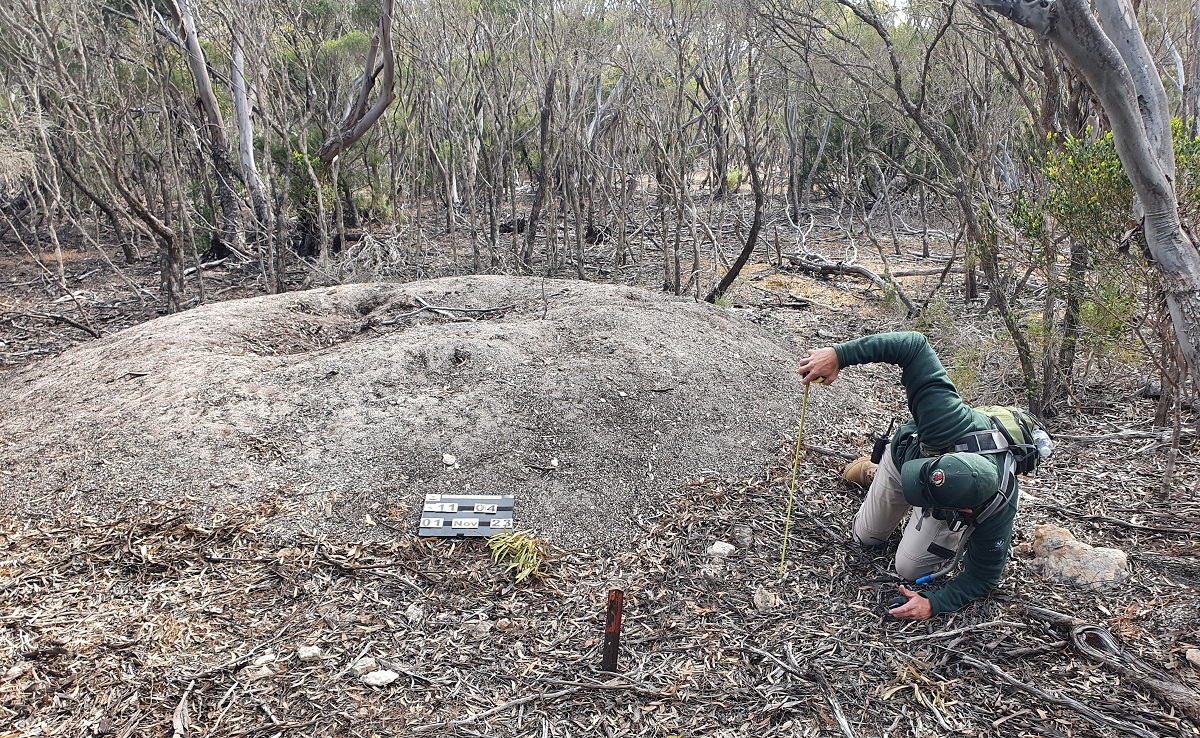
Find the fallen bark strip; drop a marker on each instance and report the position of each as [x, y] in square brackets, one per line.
[573, 688]
[1134, 526]
[447, 312]
[1097, 644]
[830, 452]
[1091, 713]
[966, 629]
[1116, 521]
[831, 695]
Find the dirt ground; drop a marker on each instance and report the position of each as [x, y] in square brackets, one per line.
[155, 622]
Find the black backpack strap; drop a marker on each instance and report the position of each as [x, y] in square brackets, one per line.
[1008, 487]
[980, 442]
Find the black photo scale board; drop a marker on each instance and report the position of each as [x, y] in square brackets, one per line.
[448, 516]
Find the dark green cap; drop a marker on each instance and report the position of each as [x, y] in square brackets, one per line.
[962, 480]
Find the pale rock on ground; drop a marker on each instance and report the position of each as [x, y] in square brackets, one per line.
[1064, 558]
[380, 678]
[591, 403]
[721, 549]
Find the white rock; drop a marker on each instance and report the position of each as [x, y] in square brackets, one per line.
[267, 658]
[480, 629]
[380, 678]
[308, 654]
[1193, 657]
[1070, 561]
[415, 613]
[363, 666]
[720, 549]
[449, 459]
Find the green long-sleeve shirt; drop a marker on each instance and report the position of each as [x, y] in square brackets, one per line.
[939, 418]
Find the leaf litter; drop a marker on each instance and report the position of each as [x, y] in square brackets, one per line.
[159, 626]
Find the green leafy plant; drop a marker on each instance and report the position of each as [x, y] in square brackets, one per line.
[521, 552]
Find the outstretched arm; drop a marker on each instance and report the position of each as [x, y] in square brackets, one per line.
[941, 416]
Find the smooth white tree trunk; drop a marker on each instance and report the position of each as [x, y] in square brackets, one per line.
[241, 109]
[230, 220]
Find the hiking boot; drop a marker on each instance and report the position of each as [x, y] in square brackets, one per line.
[860, 471]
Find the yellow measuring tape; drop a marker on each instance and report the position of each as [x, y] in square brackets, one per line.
[787, 526]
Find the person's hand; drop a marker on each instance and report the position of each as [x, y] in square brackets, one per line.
[917, 607]
[821, 365]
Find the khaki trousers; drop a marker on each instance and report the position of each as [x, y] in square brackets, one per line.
[927, 544]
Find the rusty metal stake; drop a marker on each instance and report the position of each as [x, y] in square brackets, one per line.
[612, 631]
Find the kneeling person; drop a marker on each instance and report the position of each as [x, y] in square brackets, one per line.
[956, 497]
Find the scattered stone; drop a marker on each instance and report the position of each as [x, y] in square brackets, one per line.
[449, 459]
[742, 535]
[1193, 657]
[415, 613]
[765, 601]
[1062, 557]
[380, 678]
[267, 658]
[720, 549]
[363, 666]
[308, 654]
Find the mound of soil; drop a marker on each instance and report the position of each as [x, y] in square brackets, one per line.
[593, 404]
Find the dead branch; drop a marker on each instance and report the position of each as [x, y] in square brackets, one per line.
[1092, 714]
[1097, 644]
[60, 319]
[839, 268]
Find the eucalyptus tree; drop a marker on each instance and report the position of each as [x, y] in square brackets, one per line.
[889, 80]
[1110, 51]
[229, 234]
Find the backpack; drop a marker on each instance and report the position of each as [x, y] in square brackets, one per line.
[1019, 429]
